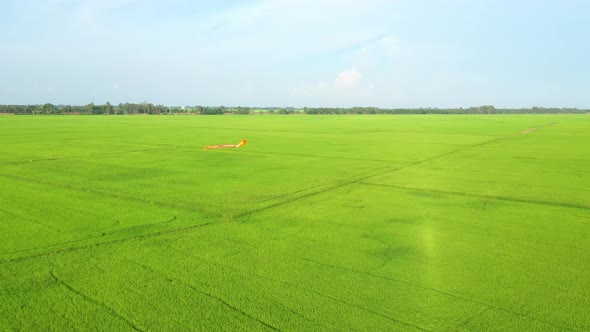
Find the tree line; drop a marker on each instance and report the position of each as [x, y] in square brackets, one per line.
[151, 109]
[485, 109]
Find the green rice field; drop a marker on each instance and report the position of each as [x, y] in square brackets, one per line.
[319, 223]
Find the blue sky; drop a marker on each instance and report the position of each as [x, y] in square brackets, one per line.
[397, 53]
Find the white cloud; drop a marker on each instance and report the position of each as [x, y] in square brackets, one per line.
[348, 83]
[348, 79]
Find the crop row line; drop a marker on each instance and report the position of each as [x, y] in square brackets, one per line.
[408, 283]
[362, 177]
[487, 196]
[487, 306]
[308, 290]
[314, 156]
[335, 182]
[469, 319]
[18, 162]
[109, 242]
[31, 220]
[88, 299]
[103, 233]
[101, 192]
[326, 188]
[500, 257]
[209, 295]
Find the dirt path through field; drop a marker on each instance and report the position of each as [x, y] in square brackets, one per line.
[530, 130]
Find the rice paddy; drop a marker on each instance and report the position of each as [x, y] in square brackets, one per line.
[373, 223]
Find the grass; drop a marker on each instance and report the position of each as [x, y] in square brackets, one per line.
[428, 223]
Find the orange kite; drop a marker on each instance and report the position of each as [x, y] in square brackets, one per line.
[225, 146]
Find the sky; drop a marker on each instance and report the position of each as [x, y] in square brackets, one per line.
[314, 53]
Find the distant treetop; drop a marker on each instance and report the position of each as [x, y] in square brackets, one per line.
[146, 108]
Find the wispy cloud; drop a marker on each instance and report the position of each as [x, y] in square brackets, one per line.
[348, 79]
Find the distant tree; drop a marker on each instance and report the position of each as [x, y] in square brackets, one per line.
[108, 108]
[89, 108]
[487, 109]
[243, 110]
[212, 110]
[48, 109]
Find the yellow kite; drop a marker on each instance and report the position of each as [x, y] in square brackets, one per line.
[225, 146]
